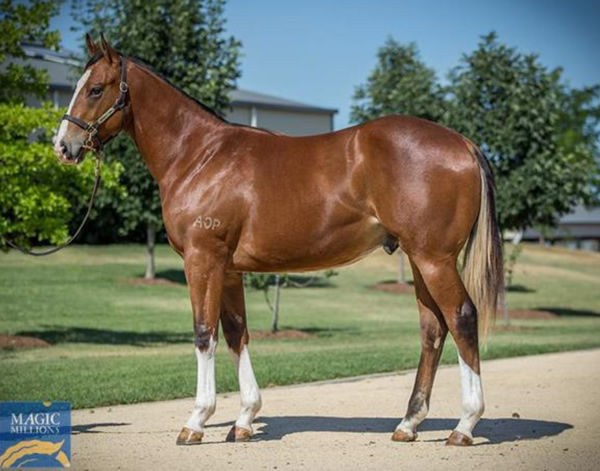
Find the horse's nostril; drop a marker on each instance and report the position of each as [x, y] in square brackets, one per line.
[64, 149]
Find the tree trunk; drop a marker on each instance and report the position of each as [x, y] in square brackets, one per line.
[275, 324]
[504, 306]
[401, 277]
[150, 241]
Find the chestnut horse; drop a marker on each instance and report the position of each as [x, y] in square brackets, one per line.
[239, 199]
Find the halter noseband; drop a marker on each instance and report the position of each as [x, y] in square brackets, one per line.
[92, 141]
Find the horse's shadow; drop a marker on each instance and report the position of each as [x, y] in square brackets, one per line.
[497, 430]
[90, 428]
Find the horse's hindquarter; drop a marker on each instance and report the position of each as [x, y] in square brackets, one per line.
[306, 205]
[423, 181]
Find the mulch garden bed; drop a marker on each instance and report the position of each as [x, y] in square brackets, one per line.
[394, 287]
[17, 342]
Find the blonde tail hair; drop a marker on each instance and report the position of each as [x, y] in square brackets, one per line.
[483, 272]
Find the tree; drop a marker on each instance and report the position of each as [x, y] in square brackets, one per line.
[24, 22]
[183, 40]
[263, 281]
[400, 83]
[39, 197]
[533, 128]
[539, 134]
[579, 127]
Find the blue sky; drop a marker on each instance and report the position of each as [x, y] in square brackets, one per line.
[317, 51]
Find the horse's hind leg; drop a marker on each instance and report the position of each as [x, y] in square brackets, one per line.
[233, 320]
[433, 334]
[447, 290]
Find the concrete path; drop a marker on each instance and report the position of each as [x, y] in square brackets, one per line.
[346, 425]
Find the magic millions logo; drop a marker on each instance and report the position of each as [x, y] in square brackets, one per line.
[35, 434]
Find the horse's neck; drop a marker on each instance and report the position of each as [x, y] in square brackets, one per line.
[165, 124]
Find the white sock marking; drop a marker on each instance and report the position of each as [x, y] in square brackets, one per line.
[62, 130]
[472, 399]
[249, 392]
[409, 424]
[206, 398]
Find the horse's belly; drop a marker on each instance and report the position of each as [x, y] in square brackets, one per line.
[277, 251]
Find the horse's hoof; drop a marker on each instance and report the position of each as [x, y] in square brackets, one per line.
[189, 437]
[401, 436]
[457, 438]
[238, 434]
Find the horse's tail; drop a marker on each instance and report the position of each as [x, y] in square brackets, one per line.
[483, 272]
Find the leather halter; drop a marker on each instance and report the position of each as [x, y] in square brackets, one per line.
[92, 141]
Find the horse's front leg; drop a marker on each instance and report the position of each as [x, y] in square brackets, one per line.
[204, 272]
[233, 320]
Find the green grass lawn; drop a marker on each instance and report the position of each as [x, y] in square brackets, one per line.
[118, 342]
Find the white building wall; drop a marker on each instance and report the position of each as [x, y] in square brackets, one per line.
[239, 115]
[295, 123]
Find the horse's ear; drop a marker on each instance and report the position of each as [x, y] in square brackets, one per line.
[109, 52]
[91, 45]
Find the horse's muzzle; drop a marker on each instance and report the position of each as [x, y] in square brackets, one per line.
[69, 154]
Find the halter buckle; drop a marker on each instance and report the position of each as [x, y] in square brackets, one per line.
[89, 142]
[123, 87]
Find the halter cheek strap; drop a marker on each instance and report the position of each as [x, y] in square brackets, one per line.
[92, 141]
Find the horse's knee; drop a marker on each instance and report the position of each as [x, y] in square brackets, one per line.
[234, 331]
[204, 336]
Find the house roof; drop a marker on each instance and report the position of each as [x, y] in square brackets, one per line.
[249, 98]
[59, 65]
[63, 56]
[582, 215]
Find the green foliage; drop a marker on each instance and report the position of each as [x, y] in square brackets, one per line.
[259, 281]
[24, 22]
[532, 128]
[183, 40]
[39, 196]
[400, 83]
[262, 281]
[540, 135]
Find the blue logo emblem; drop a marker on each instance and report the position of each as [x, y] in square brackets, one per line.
[35, 434]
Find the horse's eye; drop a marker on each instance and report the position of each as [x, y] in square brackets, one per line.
[96, 92]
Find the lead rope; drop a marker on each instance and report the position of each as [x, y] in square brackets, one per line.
[85, 218]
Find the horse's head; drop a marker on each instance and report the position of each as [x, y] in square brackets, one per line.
[95, 114]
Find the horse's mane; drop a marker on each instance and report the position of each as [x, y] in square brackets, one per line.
[144, 65]
[99, 55]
